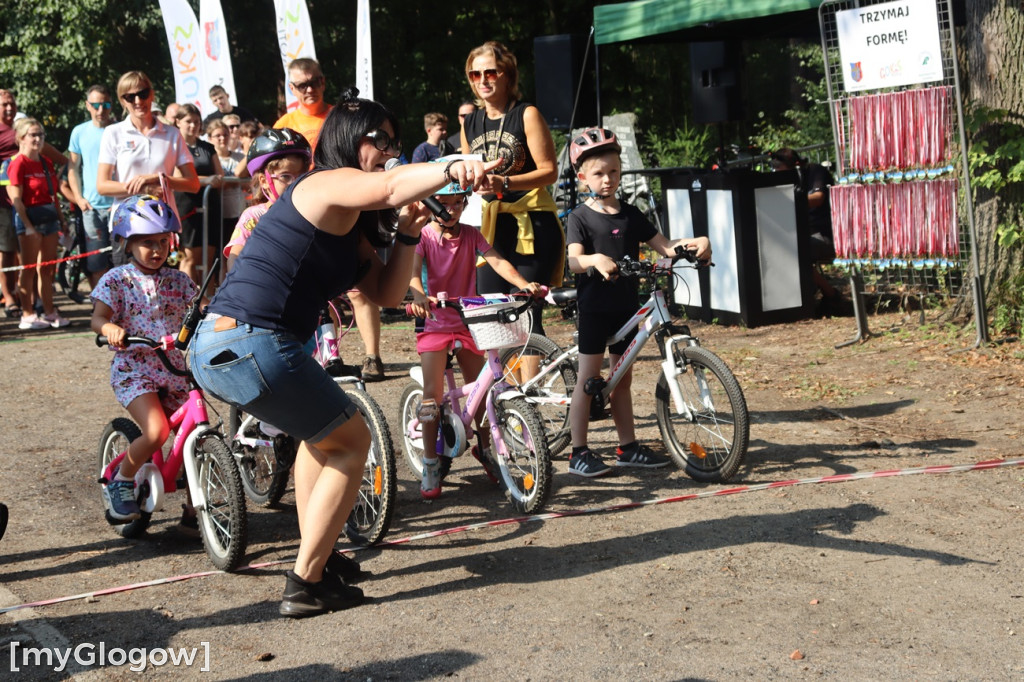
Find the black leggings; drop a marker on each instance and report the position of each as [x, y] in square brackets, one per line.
[548, 246]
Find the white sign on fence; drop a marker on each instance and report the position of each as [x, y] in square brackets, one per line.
[890, 45]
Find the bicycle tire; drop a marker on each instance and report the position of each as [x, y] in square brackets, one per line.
[560, 384]
[223, 523]
[264, 471]
[413, 446]
[3, 520]
[116, 437]
[71, 272]
[712, 444]
[526, 471]
[370, 518]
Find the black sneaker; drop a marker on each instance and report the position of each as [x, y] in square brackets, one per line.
[588, 464]
[373, 369]
[302, 599]
[189, 523]
[642, 456]
[345, 567]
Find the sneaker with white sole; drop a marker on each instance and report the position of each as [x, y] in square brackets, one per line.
[121, 504]
[430, 486]
[56, 321]
[588, 464]
[33, 322]
[641, 456]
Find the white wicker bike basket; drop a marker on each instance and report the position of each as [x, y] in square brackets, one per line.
[488, 333]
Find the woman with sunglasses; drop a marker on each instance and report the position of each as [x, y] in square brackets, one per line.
[136, 152]
[520, 219]
[319, 239]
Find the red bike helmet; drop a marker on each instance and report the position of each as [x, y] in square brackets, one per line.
[591, 141]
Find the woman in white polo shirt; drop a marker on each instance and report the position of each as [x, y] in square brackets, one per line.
[135, 152]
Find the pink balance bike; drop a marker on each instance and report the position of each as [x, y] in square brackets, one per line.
[518, 458]
[210, 471]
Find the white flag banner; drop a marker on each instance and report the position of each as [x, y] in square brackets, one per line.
[216, 55]
[295, 38]
[185, 42]
[364, 58]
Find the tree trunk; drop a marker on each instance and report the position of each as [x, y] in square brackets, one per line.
[994, 38]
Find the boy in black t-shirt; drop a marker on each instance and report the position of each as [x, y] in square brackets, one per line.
[598, 233]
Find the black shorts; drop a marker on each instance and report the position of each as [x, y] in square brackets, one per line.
[595, 328]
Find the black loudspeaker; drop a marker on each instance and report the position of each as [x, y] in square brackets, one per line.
[558, 63]
[715, 80]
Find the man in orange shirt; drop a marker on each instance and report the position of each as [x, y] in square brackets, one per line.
[306, 81]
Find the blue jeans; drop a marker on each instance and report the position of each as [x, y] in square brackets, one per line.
[269, 374]
[97, 236]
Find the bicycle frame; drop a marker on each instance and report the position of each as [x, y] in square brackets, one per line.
[648, 319]
[479, 391]
[190, 422]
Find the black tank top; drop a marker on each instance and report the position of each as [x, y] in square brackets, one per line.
[287, 271]
[482, 135]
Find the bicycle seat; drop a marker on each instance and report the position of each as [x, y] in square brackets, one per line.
[562, 295]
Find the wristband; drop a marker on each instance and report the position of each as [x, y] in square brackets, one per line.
[504, 184]
[448, 170]
[406, 239]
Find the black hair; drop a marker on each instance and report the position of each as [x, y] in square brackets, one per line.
[338, 147]
[349, 121]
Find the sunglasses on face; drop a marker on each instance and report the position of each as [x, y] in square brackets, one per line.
[489, 74]
[383, 142]
[99, 105]
[233, 127]
[308, 85]
[140, 95]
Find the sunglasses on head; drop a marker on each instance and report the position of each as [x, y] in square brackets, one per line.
[489, 74]
[141, 95]
[99, 105]
[383, 142]
[308, 85]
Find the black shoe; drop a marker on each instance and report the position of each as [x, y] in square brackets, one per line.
[346, 568]
[302, 599]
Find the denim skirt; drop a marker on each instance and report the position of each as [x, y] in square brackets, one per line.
[269, 374]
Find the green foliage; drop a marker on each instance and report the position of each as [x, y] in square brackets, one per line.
[997, 161]
[807, 122]
[685, 146]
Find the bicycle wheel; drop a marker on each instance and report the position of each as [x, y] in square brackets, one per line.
[526, 471]
[222, 521]
[115, 440]
[3, 520]
[71, 272]
[551, 395]
[412, 443]
[371, 516]
[264, 463]
[711, 443]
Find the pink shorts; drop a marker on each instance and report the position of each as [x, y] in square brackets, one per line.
[427, 342]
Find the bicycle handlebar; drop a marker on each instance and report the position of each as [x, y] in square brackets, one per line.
[160, 347]
[629, 267]
[456, 304]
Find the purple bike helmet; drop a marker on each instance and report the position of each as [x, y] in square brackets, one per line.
[143, 214]
[273, 143]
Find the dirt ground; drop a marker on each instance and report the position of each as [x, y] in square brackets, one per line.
[914, 577]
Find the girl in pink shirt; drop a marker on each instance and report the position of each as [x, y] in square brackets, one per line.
[449, 250]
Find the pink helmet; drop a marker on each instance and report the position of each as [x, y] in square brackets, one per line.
[591, 141]
[143, 214]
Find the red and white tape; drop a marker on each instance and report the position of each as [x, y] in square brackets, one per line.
[836, 478]
[14, 268]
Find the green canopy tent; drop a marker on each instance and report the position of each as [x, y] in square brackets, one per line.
[695, 20]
